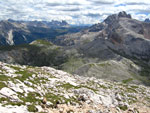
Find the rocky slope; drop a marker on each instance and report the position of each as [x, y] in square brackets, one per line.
[26, 89]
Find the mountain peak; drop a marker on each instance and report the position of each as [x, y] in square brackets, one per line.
[124, 14]
[147, 20]
[115, 17]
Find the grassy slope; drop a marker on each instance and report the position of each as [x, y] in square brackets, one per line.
[39, 53]
[43, 53]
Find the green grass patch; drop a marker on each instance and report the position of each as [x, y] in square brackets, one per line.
[43, 42]
[133, 86]
[2, 85]
[32, 108]
[54, 98]
[104, 64]
[14, 67]
[25, 74]
[4, 78]
[39, 80]
[88, 88]
[2, 99]
[14, 103]
[102, 86]
[31, 98]
[130, 90]
[68, 86]
[127, 80]
[132, 99]
[72, 64]
[9, 102]
[124, 108]
[58, 98]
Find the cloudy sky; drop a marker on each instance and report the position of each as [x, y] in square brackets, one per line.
[73, 11]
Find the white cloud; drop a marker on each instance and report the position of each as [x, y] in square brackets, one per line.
[135, 2]
[73, 11]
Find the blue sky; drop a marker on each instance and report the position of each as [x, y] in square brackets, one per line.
[73, 11]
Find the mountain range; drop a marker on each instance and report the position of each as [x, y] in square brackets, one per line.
[117, 49]
[20, 32]
[106, 66]
[53, 23]
[118, 36]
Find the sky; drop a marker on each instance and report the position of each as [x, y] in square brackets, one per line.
[73, 11]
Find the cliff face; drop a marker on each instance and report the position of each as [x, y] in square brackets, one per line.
[130, 37]
[26, 89]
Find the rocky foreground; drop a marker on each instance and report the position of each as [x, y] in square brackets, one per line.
[26, 89]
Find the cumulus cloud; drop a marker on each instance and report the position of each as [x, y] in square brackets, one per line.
[102, 2]
[73, 11]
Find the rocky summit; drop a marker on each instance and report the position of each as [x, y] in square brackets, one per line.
[25, 89]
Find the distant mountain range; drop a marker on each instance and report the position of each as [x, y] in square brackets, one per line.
[53, 23]
[20, 32]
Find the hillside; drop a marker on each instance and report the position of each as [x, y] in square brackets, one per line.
[26, 89]
[37, 53]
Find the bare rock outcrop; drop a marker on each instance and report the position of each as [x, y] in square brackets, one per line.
[44, 89]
